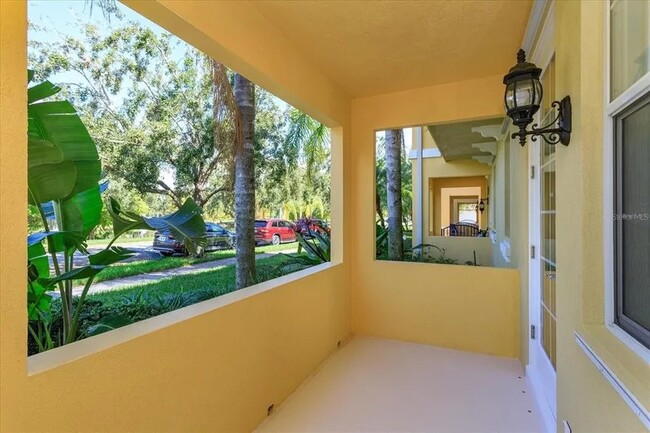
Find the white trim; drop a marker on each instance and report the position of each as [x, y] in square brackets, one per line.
[539, 366]
[488, 146]
[484, 159]
[548, 419]
[542, 52]
[534, 20]
[626, 98]
[612, 109]
[489, 131]
[430, 152]
[418, 191]
[637, 407]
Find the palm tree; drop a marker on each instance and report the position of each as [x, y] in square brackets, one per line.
[245, 185]
[307, 140]
[394, 193]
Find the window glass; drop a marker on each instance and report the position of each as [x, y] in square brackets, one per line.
[629, 43]
[260, 223]
[632, 219]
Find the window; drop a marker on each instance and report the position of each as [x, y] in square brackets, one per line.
[629, 26]
[628, 122]
[632, 225]
[154, 125]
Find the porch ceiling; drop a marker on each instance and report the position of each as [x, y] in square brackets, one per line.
[382, 47]
[459, 140]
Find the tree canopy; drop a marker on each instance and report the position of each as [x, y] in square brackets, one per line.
[159, 112]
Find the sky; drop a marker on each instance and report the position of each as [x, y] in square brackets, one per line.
[61, 17]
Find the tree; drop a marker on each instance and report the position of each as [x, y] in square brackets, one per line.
[307, 142]
[149, 103]
[245, 185]
[394, 193]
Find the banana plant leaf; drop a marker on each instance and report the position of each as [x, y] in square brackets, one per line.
[110, 256]
[83, 211]
[38, 301]
[43, 152]
[41, 91]
[48, 208]
[38, 265]
[62, 241]
[57, 122]
[75, 274]
[48, 182]
[186, 224]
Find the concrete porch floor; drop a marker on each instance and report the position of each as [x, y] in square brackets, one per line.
[377, 385]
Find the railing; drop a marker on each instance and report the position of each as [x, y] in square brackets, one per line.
[460, 229]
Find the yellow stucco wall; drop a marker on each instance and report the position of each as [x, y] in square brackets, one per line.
[215, 366]
[585, 398]
[426, 303]
[218, 365]
[438, 168]
[441, 190]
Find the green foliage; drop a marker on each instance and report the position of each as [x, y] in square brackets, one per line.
[152, 114]
[148, 100]
[64, 168]
[317, 247]
[104, 311]
[428, 253]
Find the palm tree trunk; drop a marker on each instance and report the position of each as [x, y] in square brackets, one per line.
[245, 186]
[380, 213]
[394, 193]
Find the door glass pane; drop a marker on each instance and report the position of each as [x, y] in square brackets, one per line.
[635, 215]
[547, 253]
[629, 43]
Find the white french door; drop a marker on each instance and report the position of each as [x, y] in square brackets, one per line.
[542, 269]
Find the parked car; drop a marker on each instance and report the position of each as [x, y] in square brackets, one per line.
[274, 231]
[218, 238]
[305, 226]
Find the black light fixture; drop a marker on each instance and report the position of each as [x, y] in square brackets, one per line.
[523, 97]
[480, 205]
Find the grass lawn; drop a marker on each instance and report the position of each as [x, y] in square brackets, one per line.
[146, 266]
[208, 284]
[132, 304]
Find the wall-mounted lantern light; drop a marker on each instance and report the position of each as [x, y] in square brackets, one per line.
[480, 205]
[523, 97]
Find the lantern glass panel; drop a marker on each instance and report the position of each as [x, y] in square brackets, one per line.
[524, 94]
[539, 92]
[510, 96]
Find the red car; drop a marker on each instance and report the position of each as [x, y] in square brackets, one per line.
[274, 231]
[305, 226]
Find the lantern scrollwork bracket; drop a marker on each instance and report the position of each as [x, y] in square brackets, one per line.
[558, 131]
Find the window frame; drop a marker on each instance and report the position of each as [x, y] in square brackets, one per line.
[628, 325]
[612, 109]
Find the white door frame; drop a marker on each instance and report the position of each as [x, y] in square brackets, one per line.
[539, 370]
